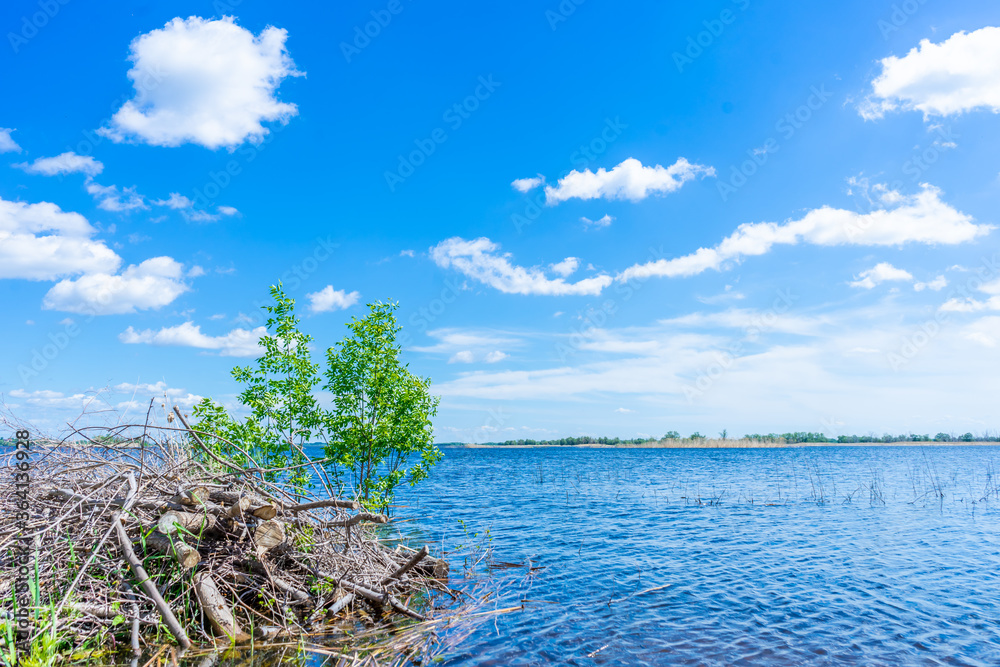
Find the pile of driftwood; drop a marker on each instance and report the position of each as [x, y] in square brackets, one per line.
[141, 539]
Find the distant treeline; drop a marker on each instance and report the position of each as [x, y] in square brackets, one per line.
[792, 438]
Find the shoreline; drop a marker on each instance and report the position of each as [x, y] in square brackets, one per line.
[710, 444]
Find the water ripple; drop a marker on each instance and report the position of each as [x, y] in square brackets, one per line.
[818, 556]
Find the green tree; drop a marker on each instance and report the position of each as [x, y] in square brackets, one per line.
[278, 391]
[382, 412]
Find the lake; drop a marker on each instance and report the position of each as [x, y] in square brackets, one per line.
[832, 555]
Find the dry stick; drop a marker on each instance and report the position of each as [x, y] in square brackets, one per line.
[409, 565]
[201, 444]
[128, 503]
[346, 504]
[358, 518]
[147, 584]
[381, 599]
[194, 436]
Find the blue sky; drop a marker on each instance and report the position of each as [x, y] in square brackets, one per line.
[601, 218]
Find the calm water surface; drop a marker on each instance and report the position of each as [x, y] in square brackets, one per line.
[845, 555]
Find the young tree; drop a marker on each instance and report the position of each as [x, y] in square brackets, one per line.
[284, 414]
[382, 413]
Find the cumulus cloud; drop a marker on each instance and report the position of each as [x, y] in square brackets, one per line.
[935, 285]
[600, 222]
[960, 74]
[481, 260]
[918, 218]
[629, 180]
[329, 299]
[43, 242]
[64, 163]
[526, 184]
[880, 273]
[7, 144]
[207, 82]
[462, 357]
[236, 343]
[110, 198]
[566, 267]
[152, 284]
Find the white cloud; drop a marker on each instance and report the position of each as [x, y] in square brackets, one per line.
[329, 299]
[236, 343]
[629, 180]
[468, 357]
[176, 201]
[179, 202]
[625, 411]
[462, 357]
[880, 273]
[43, 242]
[406, 253]
[480, 260]
[526, 184]
[969, 305]
[8, 145]
[960, 74]
[566, 267]
[45, 398]
[600, 222]
[196, 271]
[469, 346]
[64, 163]
[205, 82]
[110, 198]
[160, 389]
[919, 218]
[154, 283]
[935, 285]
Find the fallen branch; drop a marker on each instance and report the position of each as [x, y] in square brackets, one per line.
[147, 584]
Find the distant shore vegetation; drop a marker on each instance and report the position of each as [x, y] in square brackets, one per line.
[696, 439]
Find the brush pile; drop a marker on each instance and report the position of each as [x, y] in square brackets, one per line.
[140, 538]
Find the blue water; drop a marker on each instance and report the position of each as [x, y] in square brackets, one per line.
[805, 556]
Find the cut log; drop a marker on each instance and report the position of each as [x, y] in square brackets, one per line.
[268, 535]
[265, 512]
[340, 604]
[216, 608]
[435, 568]
[196, 524]
[193, 497]
[185, 555]
[239, 508]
